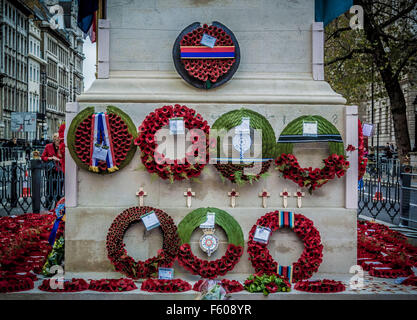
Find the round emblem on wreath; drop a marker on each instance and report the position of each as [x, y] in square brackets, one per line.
[116, 249]
[206, 56]
[209, 242]
[242, 166]
[311, 257]
[210, 268]
[311, 129]
[102, 142]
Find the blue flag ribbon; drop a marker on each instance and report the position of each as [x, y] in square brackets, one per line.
[60, 212]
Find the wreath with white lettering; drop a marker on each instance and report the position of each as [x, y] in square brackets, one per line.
[247, 171]
[206, 268]
[141, 269]
[158, 163]
[335, 165]
[102, 142]
[310, 259]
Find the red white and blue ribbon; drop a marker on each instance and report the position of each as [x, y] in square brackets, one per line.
[203, 52]
[101, 136]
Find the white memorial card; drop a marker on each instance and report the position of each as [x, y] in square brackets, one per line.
[367, 129]
[100, 153]
[208, 41]
[176, 126]
[210, 222]
[262, 234]
[150, 220]
[244, 127]
[165, 273]
[310, 128]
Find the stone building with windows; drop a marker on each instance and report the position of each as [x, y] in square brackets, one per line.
[41, 66]
[382, 114]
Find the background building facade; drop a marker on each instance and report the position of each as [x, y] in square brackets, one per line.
[41, 64]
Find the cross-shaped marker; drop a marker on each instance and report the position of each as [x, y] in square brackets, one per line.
[189, 194]
[299, 195]
[264, 194]
[141, 193]
[284, 194]
[233, 194]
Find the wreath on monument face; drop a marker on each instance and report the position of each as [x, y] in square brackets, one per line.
[335, 165]
[362, 160]
[206, 65]
[141, 269]
[157, 163]
[237, 172]
[206, 268]
[102, 142]
[310, 259]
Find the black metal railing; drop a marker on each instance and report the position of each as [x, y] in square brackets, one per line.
[30, 186]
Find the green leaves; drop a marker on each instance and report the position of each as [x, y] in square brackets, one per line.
[266, 284]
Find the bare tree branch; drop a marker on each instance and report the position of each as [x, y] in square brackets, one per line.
[399, 15]
[348, 56]
[404, 62]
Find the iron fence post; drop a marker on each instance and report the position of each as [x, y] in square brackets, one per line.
[405, 194]
[36, 167]
[13, 185]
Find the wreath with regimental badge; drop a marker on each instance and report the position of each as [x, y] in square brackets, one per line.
[206, 268]
[116, 249]
[243, 167]
[102, 142]
[335, 165]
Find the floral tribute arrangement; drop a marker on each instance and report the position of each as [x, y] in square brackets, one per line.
[384, 253]
[235, 172]
[163, 285]
[157, 163]
[205, 268]
[230, 286]
[102, 142]
[112, 285]
[320, 286]
[362, 160]
[287, 163]
[311, 257]
[202, 64]
[116, 248]
[14, 282]
[73, 285]
[267, 283]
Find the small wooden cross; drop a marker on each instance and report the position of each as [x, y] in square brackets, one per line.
[141, 193]
[284, 194]
[264, 194]
[189, 194]
[299, 195]
[233, 194]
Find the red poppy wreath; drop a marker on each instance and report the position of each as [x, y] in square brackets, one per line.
[205, 268]
[118, 254]
[335, 165]
[320, 286]
[102, 142]
[310, 259]
[158, 163]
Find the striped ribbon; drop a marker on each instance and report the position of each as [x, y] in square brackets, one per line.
[203, 52]
[293, 138]
[286, 271]
[286, 219]
[101, 135]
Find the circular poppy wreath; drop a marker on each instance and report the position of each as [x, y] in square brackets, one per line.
[122, 133]
[117, 253]
[164, 285]
[112, 285]
[155, 162]
[335, 165]
[208, 67]
[320, 286]
[73, 285]
[206, 268]
[311, 257]
[15, 283]
[235, 172]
